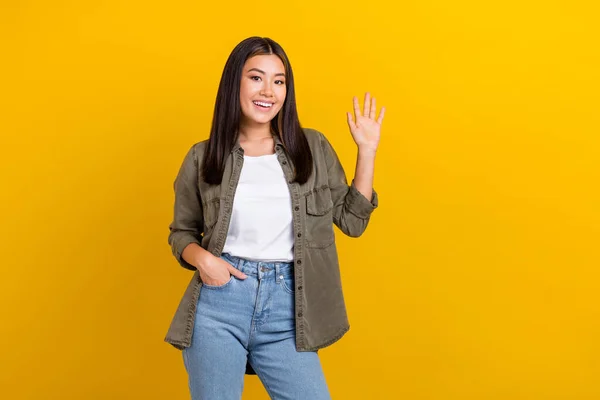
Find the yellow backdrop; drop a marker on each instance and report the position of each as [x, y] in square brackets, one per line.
[478, 276]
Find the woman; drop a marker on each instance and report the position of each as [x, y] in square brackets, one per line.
[255, 206]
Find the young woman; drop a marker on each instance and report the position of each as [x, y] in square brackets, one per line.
[255, 206]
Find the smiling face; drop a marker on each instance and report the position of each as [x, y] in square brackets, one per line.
[262, 89]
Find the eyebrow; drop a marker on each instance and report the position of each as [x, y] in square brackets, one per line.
[263, 72]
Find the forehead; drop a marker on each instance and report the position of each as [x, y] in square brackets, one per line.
[268, 63]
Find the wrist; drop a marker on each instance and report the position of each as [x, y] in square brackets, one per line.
[194, 254]
[200, 257]
[367, 151]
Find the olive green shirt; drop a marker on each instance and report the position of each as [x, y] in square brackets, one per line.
[202, 215]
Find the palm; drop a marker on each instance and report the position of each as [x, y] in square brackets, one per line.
[366, 129]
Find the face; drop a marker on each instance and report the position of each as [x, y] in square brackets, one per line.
[262, 89]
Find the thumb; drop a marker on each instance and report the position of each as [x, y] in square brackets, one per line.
[351, 124]
[237, 273]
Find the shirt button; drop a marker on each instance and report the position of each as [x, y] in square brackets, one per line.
[299, 287]
[300, 314]
[296, 208]
[284, 162]
[299, 262]
[299, 235]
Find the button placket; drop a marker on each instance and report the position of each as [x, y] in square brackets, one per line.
[238, 162]
[298, 276]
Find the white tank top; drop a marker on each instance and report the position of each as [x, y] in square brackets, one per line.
[261, 220]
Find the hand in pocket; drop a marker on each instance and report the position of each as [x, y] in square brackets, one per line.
[215, 271]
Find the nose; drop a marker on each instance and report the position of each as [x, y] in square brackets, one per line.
[267, 90]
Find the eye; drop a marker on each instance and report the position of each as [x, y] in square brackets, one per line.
[255, 76]
[281, 82]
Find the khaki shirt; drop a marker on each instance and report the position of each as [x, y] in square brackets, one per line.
[203, 212]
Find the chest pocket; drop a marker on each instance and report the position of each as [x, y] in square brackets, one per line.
[211, 214]
[319, 218]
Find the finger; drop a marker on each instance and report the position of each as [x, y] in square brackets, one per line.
[356, 107]
[350, 122]
[373, 112]
[237, 273]
[381, 114]
[367, 104]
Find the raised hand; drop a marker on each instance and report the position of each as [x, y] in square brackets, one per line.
[365, 129]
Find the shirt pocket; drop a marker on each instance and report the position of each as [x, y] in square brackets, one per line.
[319, 218]
[211, 214]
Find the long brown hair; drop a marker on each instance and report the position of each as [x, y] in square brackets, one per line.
[227, 114]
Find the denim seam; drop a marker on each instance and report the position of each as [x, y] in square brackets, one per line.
[264, 382]
[285, 286]
[253, 315]
[210, 287]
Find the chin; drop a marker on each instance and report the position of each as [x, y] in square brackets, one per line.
[262, 119]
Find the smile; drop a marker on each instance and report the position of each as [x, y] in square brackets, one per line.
[263, 104]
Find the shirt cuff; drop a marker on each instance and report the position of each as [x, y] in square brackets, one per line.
[358, 204]
[179, 245]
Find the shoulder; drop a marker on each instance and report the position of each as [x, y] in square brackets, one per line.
[318, 142]
[194, 155]
[200, 147]
[315, 138]
[196, 151]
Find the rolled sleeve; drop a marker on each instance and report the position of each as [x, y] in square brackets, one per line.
[180, 242]
[358, 204]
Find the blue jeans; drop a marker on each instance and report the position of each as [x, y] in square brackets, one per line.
[251, 320]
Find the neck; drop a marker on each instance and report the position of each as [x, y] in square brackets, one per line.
[254, 131]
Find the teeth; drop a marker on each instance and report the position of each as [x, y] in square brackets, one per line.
[260, 103]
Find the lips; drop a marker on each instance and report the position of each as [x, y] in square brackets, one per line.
[263, 104]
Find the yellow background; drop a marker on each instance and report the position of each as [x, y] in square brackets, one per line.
[478, 276]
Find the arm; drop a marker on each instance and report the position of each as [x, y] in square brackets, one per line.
[186, 228]
[351, 209]
[364, 172]
[365, 131]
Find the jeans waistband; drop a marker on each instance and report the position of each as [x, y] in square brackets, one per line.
[260, 268]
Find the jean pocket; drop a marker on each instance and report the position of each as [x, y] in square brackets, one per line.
[207, 286]
[287, 283]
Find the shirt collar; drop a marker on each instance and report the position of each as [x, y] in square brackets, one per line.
[276, 138]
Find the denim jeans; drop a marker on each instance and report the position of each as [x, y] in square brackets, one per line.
[251, 320]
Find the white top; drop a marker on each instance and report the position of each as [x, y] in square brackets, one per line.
[261, 220]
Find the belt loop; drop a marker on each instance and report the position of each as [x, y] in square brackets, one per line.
[277, 271]
[240, 264]
[259, 270]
